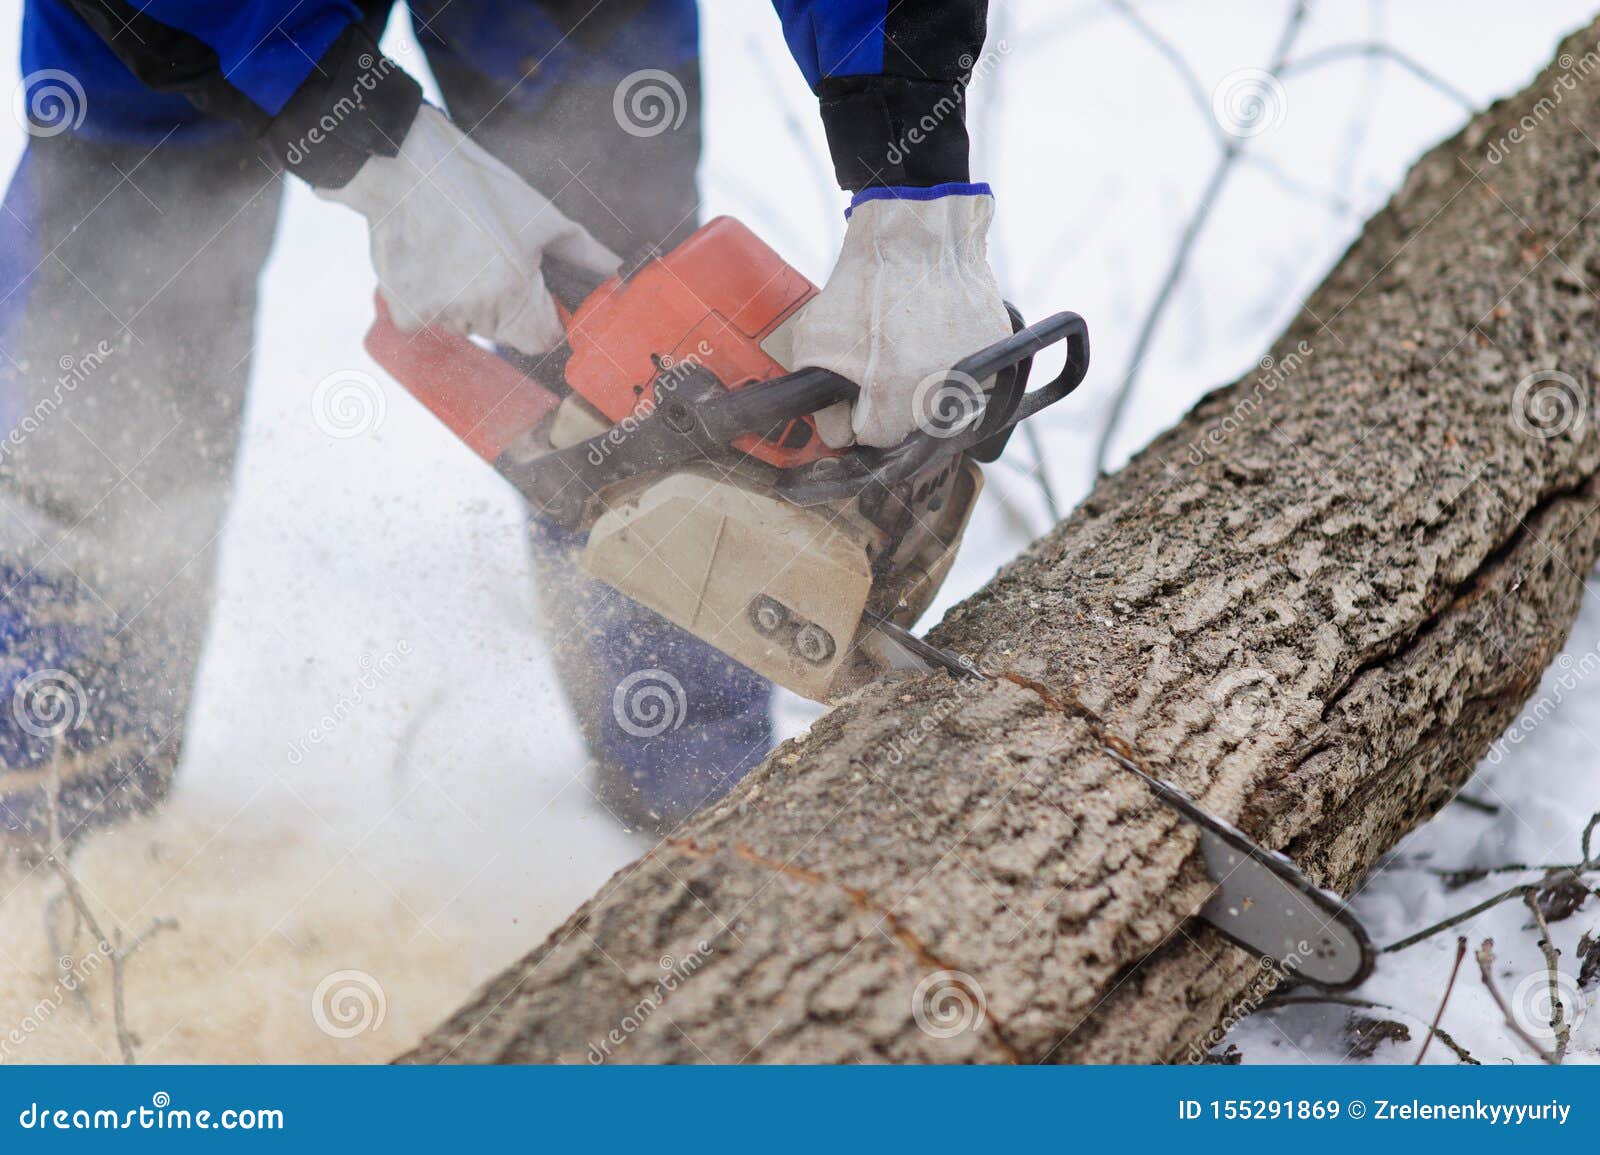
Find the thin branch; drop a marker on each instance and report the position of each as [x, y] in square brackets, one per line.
[1457, 919]
[1466, 874]
[1477, 804]
[1485, 957]
[1331, 201]
[1232, 149]
[1377, 49]
[1158, 306]
[1030, 432]
[61, 951]
[1180, 64]
[1367, 1004]
[1461, 953]
[1363, 107]
[1014, 515]
[1552, 962]
[989, 139]
[1072, 23]
[822, 182]
[112, 946]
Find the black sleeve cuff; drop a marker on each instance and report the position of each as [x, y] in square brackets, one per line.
[357, 103]
[890, 131]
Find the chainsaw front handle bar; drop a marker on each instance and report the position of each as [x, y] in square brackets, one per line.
[982, 433]
[700, 419]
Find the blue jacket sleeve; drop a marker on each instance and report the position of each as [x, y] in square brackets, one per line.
[891, 78]
[307, 75]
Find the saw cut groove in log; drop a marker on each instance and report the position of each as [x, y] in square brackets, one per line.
[1311, 604]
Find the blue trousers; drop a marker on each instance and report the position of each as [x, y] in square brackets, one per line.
[130, 245]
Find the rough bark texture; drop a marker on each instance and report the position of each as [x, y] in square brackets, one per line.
[1313, 603]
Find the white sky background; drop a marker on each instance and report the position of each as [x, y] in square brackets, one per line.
[452, 798]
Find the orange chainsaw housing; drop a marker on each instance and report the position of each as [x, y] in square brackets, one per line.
[708, 303]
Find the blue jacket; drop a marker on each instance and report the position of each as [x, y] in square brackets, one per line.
[883, 70]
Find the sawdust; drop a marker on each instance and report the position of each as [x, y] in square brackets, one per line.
[286, 950]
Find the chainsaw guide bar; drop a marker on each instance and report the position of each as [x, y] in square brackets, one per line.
[1263, 902]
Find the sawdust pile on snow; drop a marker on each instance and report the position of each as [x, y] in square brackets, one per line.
[265, 916]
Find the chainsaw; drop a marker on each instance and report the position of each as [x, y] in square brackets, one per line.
[670, 432]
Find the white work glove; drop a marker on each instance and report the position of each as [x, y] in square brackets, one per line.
[457, 238]
[911, 294]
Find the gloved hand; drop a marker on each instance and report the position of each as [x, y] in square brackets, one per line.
[457, 238]
[911, 294]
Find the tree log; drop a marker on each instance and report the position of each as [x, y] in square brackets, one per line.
[1313, 603]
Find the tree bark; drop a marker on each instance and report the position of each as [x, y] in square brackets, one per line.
[1313, 603]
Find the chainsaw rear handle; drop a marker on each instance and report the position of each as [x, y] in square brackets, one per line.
[1006, 405]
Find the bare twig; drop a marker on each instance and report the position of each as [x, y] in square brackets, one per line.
[1367, 1004]
[1485, 957]
[822, 183]
[1462, 875]
[1552, 962]
[1180, 65]
[1016, 518]
[1379, 50]
[988, 140]
[112, 946]
[1524, 890]
[1477, 804]
[1333, 202]
[1457, 919]
[1073, 22]
[61, 950]
[399, 770]
[1041, 475]
[1433, 1028]
[1363, 107]
[1232, 149]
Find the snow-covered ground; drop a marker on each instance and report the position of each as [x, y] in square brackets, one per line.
[442, 825]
